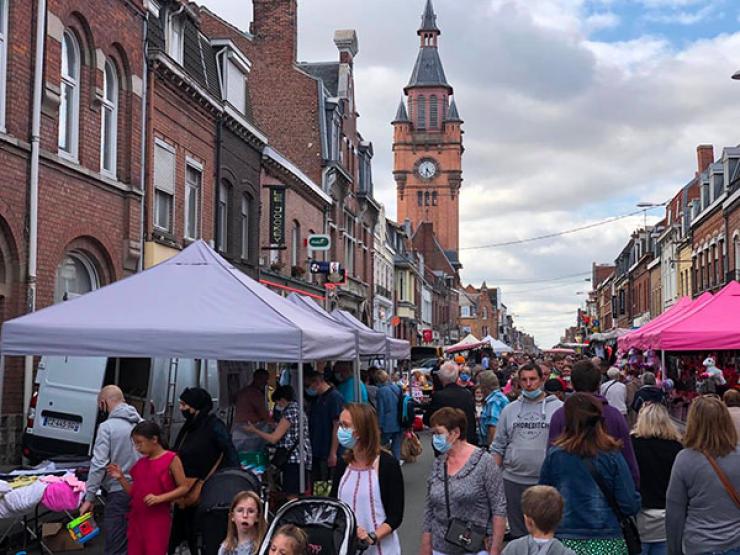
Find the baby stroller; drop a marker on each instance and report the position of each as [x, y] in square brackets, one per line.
[330, 525]
[215, 502]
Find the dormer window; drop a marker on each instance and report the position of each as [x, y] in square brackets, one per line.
[234, 68]
[705, 195]
[175, 34]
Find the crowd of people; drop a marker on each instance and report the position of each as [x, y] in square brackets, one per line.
[532, 456]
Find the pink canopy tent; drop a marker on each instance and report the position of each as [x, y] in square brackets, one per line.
[631, 339]
[714, 327]
[651, 338]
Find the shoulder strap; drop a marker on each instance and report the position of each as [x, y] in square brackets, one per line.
[604, 488]
[215, 467]
[609, 387]
[724, 479]
[447, 489]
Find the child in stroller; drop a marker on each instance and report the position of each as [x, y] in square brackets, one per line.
[328, 523]
[289, 540]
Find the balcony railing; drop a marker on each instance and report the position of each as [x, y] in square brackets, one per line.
[383, 292]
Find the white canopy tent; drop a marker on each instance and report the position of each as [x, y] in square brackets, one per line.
[194, 305]
[497, 345]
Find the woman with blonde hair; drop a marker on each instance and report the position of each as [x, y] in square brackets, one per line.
[656, 442]
[246, 527]
[703, 499]
[369, 480]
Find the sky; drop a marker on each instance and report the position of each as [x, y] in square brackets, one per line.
[575, 111]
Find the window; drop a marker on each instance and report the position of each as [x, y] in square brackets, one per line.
[175, 38]
[434, 198]
[246, 205]
[426, 198]
[736, 244]
[433, 112]
[295, 244]
[109, 132]
[349, 244]
[484, 331]
[224, 195]
[193, 180]
[75, 276]
[419, 198]
[236, 86]
[164, 185]
[422, 116]
[69, 106]
[622, 302]
[485, 313]
[3, 57]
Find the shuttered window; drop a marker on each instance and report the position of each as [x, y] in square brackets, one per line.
[164, 185]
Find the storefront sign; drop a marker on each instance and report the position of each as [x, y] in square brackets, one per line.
[277, 217]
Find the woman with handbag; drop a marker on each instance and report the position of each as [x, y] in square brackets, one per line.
[286, 439]
[465, 493]
[369, 480]
[656, 442]
[203, 445]
[586, 466]
[703, 498]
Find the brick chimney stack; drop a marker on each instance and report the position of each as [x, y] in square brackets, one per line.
[704, 156]
[275, 25]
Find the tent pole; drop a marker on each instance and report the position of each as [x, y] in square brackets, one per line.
[358, 381]
[2, 380]
[301, 430]
[663, 369]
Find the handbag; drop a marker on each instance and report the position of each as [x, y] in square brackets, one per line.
[195, 487]
[732, 492]
[462, 533]
[626, 523]
[281, 456]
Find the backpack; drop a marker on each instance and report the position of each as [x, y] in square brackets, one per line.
[405, 410]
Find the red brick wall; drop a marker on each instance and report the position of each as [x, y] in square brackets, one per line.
[733, 239]
[78, 208]
[704, 241]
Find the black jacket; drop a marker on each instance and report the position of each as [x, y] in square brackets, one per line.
[456, 397]
[391, 487]
[647, 394]
[655, 458]
[200, 443]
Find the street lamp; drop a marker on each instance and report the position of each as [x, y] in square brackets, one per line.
[647, 206]
[736, 75]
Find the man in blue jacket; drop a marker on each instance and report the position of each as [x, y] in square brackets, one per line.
[389, 395]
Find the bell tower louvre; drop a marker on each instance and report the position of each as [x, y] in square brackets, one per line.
[428, 145]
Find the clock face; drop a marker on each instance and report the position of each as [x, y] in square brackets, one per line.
[427, 169]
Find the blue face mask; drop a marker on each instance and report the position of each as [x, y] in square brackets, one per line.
[346, 438]
[465, 377]
[440, 443]
[532, 394]
[311, 392]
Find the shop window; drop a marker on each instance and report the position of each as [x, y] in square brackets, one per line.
[109, 124]
[75, 276]
[69, 106]
[164, 185]
[193, 179]
[224, 201]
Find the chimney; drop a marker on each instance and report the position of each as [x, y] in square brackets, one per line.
[347, 44]
[704, 156]
[275, 26]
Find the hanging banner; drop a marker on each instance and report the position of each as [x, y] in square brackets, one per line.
[277, 217]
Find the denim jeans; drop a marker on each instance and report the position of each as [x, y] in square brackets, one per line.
[394, 440]
[654, 548]
[115, 522]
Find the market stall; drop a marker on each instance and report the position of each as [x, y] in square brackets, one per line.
[468, 343]
[497, 346]
[194, 305]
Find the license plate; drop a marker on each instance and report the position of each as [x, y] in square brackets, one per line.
[61, 424]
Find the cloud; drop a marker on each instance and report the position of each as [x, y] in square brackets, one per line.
[560, 129]
[681, 17]
[601, 21]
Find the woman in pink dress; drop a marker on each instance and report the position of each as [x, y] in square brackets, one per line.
[158, 480]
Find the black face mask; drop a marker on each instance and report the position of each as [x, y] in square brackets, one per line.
[103, 415]
[187, 415]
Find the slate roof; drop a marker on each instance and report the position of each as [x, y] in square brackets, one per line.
[428, 70]
[429, 19]
[401, 114]
[453, 114]
[328, 72]
[453, 257]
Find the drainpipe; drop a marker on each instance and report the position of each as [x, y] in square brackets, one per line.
[33, 186]
[144, 135]
[217, 195]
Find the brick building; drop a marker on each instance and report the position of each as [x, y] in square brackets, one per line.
[88, 167]
[309, 112]
[428, 145]
[479, 311]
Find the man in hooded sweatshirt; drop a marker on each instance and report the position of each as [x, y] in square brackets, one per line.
[113, 445]
[521, 438]
[586, 378]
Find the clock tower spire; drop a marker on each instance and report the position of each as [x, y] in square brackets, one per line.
[427, 144]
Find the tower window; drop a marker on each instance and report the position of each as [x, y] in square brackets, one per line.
[434, 198]
[426, 198]
[422, 113]
[419, 198]
[433, 113]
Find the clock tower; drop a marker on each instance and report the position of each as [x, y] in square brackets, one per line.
[427, 144]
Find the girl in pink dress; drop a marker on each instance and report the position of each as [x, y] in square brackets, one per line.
[158, 480]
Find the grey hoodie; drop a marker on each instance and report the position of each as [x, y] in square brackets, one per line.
[521, 437]
[527, 546]
[113, 445]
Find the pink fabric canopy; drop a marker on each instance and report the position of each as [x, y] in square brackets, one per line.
[632, 339]
[651, 338]
[713, 327]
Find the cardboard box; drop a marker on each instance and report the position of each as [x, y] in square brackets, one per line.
[57, 538]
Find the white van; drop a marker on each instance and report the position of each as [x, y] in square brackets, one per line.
[63, 416]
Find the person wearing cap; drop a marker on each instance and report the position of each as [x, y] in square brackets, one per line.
[555, 388]
[203, 445]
